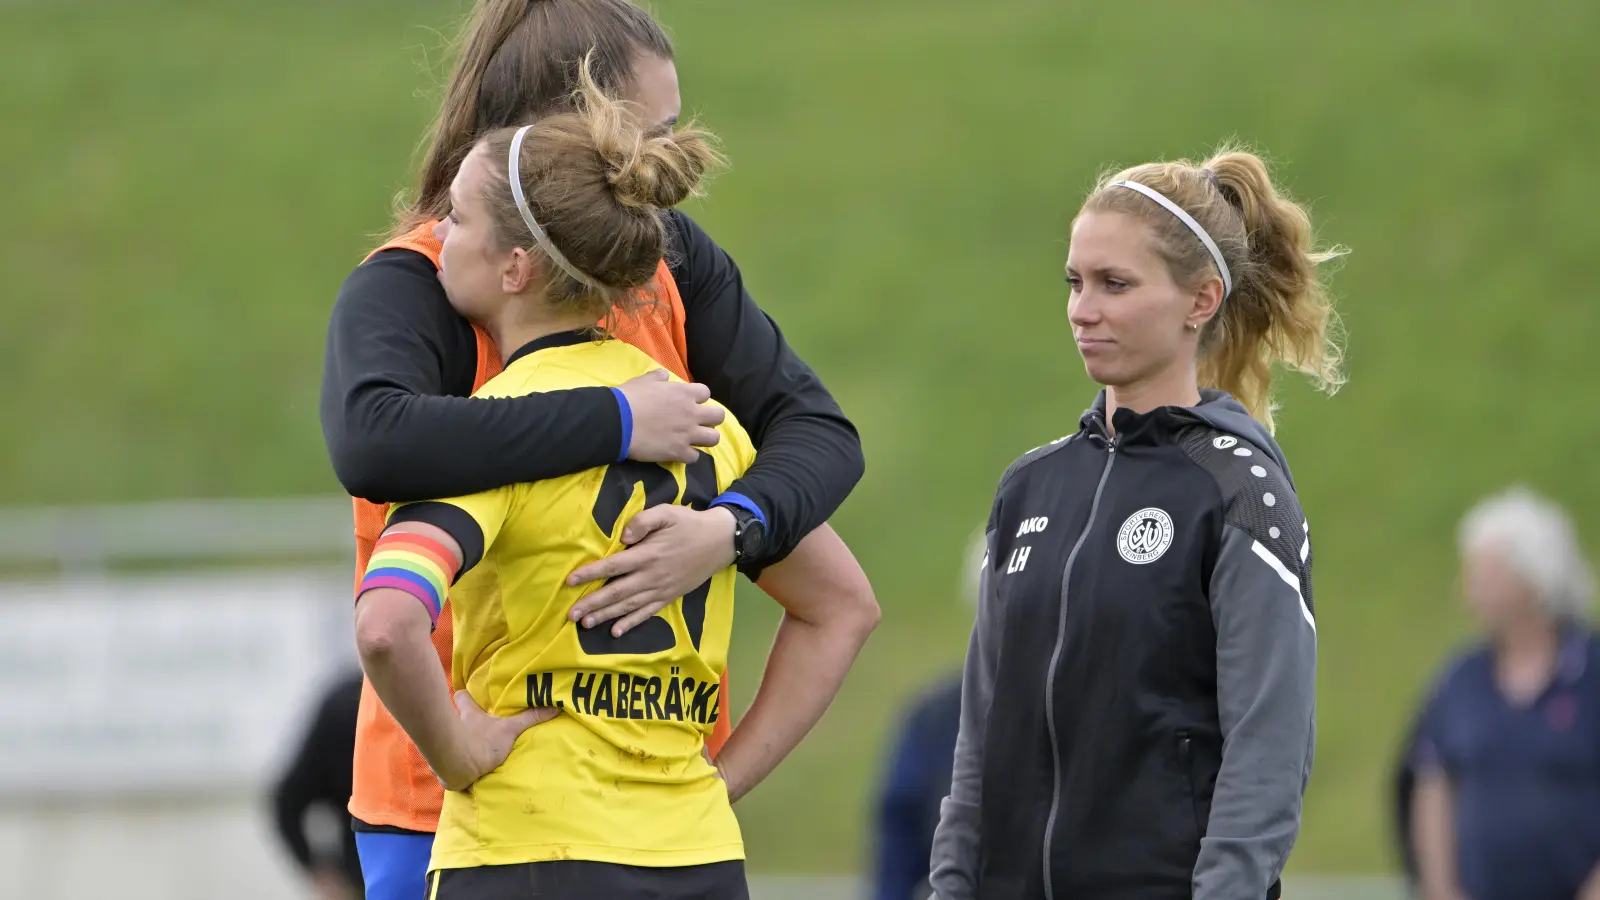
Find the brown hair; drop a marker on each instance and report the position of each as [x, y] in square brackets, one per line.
[596, 181]
[1279, 312]
[518, 60]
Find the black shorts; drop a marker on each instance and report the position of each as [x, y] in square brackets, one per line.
[571, 879]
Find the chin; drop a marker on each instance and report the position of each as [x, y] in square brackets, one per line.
[461, 304]
[1101, 373]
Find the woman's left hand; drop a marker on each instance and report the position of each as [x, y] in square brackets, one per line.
[671, 551]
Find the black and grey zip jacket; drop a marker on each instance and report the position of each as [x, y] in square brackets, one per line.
[1138, 705]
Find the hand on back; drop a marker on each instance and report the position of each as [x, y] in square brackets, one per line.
[670, 550]
[670, 418]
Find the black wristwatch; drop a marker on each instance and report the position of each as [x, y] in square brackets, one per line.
[749, 535]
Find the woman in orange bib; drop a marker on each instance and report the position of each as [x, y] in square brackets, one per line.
[401, 364]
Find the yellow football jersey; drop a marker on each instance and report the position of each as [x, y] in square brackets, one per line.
[619, 776]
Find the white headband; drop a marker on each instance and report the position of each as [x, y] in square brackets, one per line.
[1185, 218]
[515, 175]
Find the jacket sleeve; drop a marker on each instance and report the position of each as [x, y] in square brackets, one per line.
[1266, 687]
[396, 417]
[810, 454]
[954, 862]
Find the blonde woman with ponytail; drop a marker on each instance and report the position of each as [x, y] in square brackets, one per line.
[1138, 703]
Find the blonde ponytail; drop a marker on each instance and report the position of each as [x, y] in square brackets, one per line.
[1280, 311]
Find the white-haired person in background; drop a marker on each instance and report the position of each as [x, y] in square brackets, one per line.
[918, 775]
[1505, 770]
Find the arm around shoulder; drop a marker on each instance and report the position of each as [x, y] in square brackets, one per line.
[811, 456]
[395, 413]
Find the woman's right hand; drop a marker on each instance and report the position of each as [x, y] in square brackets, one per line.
[670, 418]
[486, 741]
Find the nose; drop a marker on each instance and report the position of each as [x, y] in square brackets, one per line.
[1083, 309]
[441, 228]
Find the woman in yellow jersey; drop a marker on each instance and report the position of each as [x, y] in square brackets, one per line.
[551, 226]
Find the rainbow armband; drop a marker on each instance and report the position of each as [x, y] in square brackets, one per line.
[420, 566]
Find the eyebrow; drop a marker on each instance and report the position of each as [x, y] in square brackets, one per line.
[1102, 270]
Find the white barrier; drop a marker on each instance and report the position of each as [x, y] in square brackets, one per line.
[162, 684]
[89, 538]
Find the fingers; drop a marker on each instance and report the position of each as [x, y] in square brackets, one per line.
[634, 619]
[651, 376]
[648, 601]
[613, 566]
[703, 437]
[645, 523]
[536, 716]
[465, 702]
[709, 416]
[619, 593]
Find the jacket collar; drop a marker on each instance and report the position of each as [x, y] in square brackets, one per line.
[1216, 409]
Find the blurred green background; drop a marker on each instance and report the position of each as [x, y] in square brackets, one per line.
[189, 182]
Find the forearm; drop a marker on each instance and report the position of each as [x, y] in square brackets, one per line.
[804, 672]
[808, 464]
[1434, 839]
[404, 670]
[388, 445]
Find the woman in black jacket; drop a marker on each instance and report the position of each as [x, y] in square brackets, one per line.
[1138, 702]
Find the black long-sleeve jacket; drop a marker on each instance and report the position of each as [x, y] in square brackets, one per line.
[399, 423]
[1138, 705]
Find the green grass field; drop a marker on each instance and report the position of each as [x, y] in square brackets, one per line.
[188, 183]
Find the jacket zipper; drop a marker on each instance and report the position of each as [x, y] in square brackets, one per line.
[1055, 661]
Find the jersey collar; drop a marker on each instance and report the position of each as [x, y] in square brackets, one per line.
[559, 339]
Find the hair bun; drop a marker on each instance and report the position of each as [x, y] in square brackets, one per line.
[647, 167]
[661, 171]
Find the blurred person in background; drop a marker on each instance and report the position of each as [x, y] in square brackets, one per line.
[918, 775]
[1138, 705]
[401, 364]
[318, 779]
[1505, 770]
[554, 226]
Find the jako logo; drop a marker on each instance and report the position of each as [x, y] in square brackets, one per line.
[1224, 442]
[1145, 536]
[1033, 526]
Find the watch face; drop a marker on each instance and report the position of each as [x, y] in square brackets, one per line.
[751, 534]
